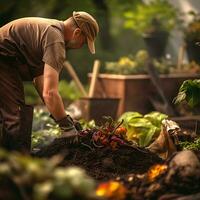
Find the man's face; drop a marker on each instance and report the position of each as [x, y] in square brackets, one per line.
[77, 41]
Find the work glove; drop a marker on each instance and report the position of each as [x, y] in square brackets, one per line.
[77, 125]
[69, 130]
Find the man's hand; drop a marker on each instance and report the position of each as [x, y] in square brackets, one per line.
[69, 131]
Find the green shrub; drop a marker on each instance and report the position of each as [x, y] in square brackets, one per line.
[157, 15]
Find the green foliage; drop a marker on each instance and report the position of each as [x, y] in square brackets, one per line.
[191, 67]
[136, 64]
[72, 182]
[192, 30]
[142, 129]
[31, 95]
[48, 8]
[155, 118]
[40, 179]
[191, 145]
[44, 129]
[68, 90]
[189, 92]
[87, 124]
[158, 15]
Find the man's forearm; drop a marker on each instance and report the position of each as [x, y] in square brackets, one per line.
[55, 106]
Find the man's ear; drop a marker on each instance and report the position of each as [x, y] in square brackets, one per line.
[77, 32]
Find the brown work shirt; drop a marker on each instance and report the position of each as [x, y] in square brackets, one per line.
[34, 41]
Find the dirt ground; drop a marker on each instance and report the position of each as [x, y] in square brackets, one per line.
[103, 163]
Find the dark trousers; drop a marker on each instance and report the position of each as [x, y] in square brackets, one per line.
[15, 116]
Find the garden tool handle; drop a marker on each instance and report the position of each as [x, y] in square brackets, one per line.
[95, 73]
[154, 77]
[181, 53]
[73, 74]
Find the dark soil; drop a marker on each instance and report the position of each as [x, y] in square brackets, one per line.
[179, 188]
[103, 163]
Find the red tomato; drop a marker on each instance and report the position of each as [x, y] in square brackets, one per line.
[121, 131]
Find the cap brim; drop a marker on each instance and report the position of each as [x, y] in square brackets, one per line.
[91, 45]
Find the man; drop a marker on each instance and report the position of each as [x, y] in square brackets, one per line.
[33, 49]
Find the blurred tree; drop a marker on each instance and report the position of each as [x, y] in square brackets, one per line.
[103, 15]
[7, 9]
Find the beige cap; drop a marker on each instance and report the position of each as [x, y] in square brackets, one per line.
[89, 26]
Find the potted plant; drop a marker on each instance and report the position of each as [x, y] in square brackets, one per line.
[192, 37]
[128, 80]
[154, 21]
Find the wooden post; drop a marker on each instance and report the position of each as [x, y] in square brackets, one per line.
[95, 72]
[73, 74]
[181, 53]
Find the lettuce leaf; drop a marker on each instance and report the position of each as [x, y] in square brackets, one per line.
[142, 129]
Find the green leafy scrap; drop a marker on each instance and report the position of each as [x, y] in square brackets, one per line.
[189, 92]
[142, 129]
[155, 118]
[191, 145]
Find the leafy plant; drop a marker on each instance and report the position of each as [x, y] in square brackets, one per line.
[189, 92]
[192, 30]
[155, 118]
[44, 129]
[141, 129]
[68, 90]
[87, 124]
[136, 64]
[191, 145]
[108, 134]
[46, 136]
[41, 179]
[191, 67]
[157, 15]
[31, 95]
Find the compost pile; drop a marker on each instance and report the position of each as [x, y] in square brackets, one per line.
[103, 156]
